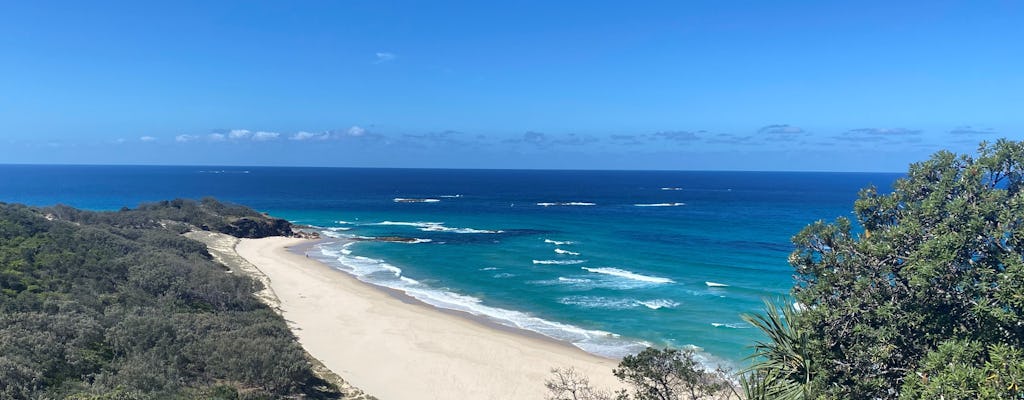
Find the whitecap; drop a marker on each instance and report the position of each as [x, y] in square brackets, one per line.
[715, 284]
[659, 303]
[628, 275]
[450, 196]
[557, 242]
[671, 188]
[488, 268]
[558, 262]
[731, 326]
[567, 252]
[408, 200]
[660, 204]
[570, 203]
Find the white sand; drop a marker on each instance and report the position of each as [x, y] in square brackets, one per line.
[399, 350]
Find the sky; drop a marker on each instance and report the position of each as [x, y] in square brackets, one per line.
[687, 85]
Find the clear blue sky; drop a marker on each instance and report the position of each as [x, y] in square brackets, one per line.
[770, 85]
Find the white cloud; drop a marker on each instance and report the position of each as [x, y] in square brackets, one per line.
[263, 136]
[383, 57]
[147, 139]
[309, 136]
[239, 134]
[217, 137]
[185, 138]
[356, 131]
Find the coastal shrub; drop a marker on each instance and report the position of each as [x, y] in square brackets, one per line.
[921, 297]
[652, 374]
[98, 305]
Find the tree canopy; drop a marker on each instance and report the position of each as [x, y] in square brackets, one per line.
[922, 296]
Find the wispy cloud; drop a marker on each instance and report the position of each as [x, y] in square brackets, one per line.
[885, 131]
[384, 57]
[262, 136]
[970, 130]
[237, 134]
[677, 136]
[185, 138]
[781, 129]
[147, 139]
[355, 131]
[216, 137]
[303, 135]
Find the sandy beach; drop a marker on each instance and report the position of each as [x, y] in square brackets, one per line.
[398, 349]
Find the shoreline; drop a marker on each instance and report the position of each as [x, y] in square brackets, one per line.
[395, 346]
[302, 249]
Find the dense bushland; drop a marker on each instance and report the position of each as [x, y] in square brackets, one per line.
[105, 305]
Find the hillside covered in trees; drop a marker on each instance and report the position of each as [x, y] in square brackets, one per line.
[118, 305]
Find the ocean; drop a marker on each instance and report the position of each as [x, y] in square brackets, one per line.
[610, 261]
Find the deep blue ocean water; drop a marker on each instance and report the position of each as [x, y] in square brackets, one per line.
[608, 260]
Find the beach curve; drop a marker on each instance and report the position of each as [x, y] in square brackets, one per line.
[399, 348]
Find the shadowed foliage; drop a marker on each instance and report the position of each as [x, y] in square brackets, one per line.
[118, 305]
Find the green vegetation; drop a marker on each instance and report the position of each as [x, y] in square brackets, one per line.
[925, 303]
[118, 305]
[653, 374]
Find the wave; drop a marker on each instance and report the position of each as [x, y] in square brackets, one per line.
[379, 272]
[558, 262]
[671, 188]
[558, 243]
[488, 268]
[659, 303]
[406, 200]
[450, 196]
[615, 303]
[340, 222]
[573, 280]
[715, 284]
[732, 326]
[571, 203]
[567, 252]
[436, 227]
[628, 275]
[660, 204]
[504, 275]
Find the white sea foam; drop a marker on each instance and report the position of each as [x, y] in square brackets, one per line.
[558, 243]
[570, 203]
[732, 326]
[338, 229]
[403, 223]
[344, 222]
[567, 252]
[615, 303]
[488, 268]
[660, 204]
[558, 262]
[628, 275]
[450, 196]
[671, 188]
[435, 227]
[715, 284]
[573, 280]
[417, 240]
[504, 275]
[407, 200]
[659, 303]
[381, 273]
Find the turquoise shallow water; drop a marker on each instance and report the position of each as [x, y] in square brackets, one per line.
[610, 261]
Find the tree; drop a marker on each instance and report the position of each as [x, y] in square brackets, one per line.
[931, 273]
[782, 367]
[667, 374]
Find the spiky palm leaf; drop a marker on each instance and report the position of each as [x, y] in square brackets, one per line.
[782, 366]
